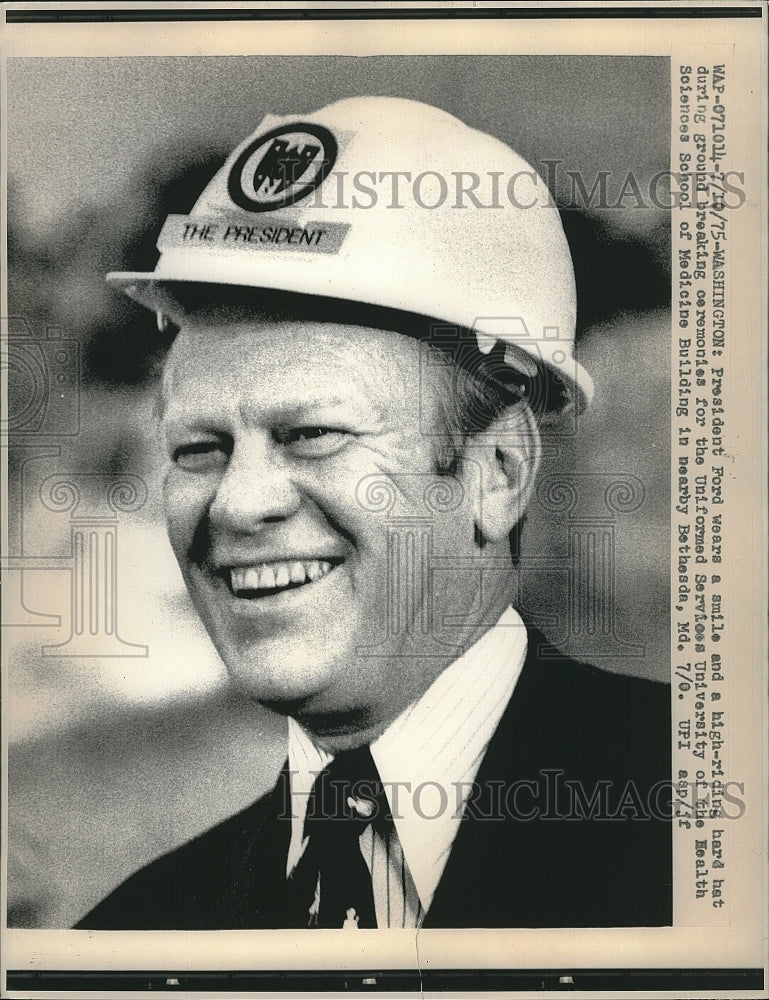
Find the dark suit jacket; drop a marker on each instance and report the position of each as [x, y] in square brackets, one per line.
[568, 825]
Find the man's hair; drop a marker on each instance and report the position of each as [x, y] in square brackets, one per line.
[480, 387]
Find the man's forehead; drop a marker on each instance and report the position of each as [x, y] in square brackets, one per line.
[224, 331]
[299, 362]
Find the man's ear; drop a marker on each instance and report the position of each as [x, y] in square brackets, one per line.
[508, 453]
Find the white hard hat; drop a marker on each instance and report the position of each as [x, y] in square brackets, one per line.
[392, 203]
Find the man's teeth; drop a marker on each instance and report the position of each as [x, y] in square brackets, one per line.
[275, 575]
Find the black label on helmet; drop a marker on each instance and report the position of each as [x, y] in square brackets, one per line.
[281, 167]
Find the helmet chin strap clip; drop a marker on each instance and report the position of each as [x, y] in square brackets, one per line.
[515, 356]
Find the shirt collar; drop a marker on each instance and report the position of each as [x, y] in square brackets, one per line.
[429, 756]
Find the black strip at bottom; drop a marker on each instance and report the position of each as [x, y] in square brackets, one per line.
[402, 981]
[329, 13]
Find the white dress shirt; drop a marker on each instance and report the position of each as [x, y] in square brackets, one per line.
[427, 760]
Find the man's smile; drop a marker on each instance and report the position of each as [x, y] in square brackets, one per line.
[263, 579]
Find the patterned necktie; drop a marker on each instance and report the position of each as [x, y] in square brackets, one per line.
[332, 883]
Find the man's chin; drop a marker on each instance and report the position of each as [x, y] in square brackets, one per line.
[289, 683]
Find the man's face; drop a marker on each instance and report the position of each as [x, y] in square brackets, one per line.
[299, 508]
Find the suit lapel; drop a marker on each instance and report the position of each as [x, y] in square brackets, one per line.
[496, 862]
[255, 882]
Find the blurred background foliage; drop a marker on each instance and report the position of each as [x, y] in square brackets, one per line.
[113, 760]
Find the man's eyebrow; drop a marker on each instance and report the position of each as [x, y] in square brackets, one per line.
[357, 403]
[318, 401]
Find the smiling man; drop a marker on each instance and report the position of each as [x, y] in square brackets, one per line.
[350, 415]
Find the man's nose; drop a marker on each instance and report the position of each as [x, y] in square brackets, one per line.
[256, 489]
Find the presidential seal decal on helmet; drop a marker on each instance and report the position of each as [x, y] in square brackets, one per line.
[281, 167]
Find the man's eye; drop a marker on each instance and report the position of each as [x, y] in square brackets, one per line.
[201, 456]
[313, 440]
